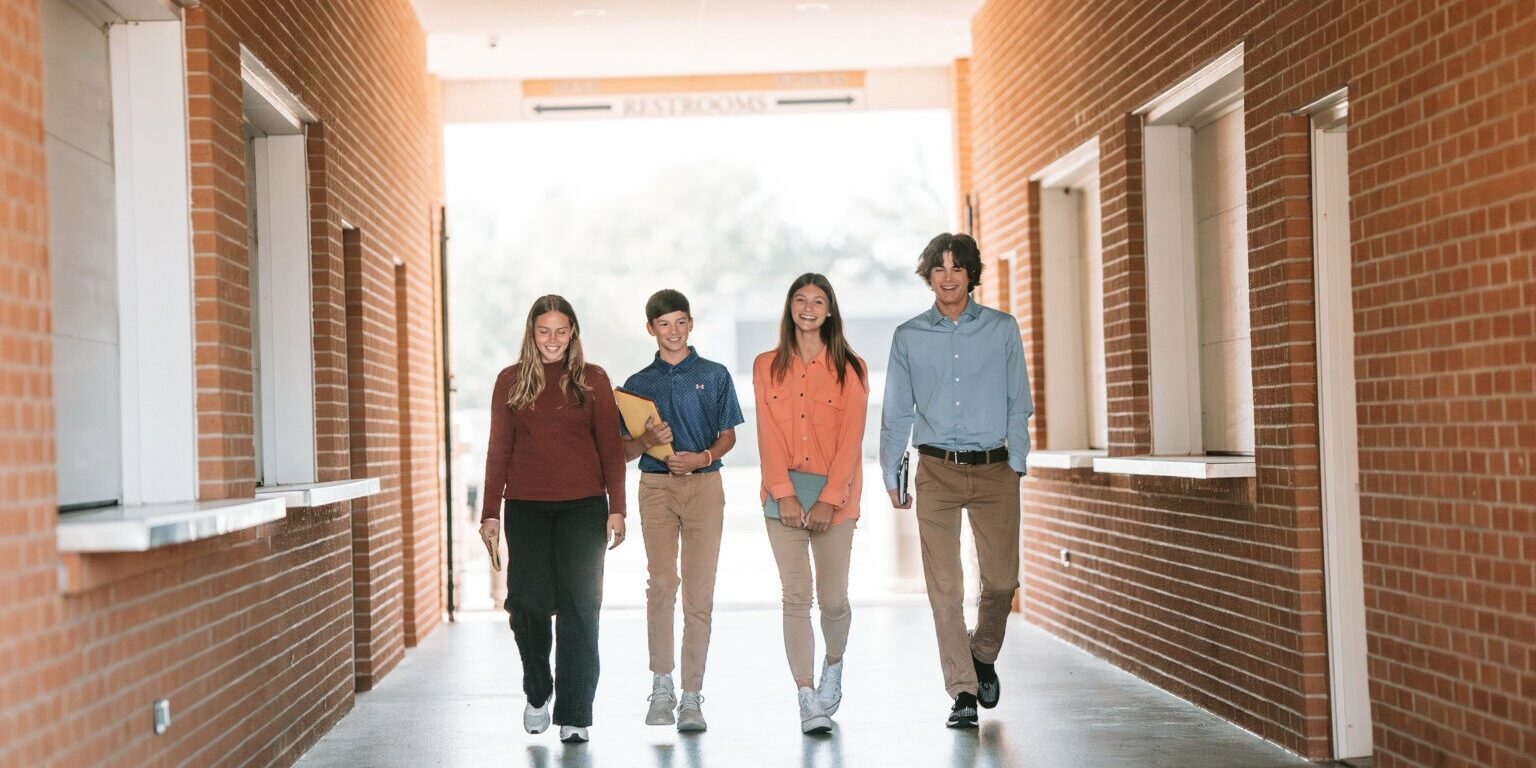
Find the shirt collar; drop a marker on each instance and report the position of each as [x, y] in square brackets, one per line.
[824, 358]
[681, 367]
[972, 310]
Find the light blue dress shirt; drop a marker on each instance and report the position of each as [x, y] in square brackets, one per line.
[960, 386]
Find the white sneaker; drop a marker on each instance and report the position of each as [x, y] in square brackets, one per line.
[830, 691]
[663, 701]
[690, 714]
[813, 719]
[536, 719]
[573, 734]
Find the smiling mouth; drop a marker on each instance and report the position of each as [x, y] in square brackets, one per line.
[808, 318]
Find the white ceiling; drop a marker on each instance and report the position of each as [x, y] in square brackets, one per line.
[527, 39]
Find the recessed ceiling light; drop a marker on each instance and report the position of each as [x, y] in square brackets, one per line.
[584, 12]
[807, 7]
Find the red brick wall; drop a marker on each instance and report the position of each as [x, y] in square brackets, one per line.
[1213, 589]
[250, 635]
[28, 602]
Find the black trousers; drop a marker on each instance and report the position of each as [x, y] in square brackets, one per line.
[555, 569]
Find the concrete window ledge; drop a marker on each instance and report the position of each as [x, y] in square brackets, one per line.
[1074, 459]
[317, 494]
[1195, 467]
[150, 526]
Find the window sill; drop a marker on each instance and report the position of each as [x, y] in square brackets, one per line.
[318, 494]
[151, 526]
[1075, 459]
[1194, 467]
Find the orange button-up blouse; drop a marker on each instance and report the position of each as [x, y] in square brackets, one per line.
[810, 424]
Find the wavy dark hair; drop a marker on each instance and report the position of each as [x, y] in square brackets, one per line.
[529, 381]
[967, 257]
[842, 355]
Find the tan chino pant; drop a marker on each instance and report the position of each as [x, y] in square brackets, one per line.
[681, 518]
[990, 494]
[793, 550]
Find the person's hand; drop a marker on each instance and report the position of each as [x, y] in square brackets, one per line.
[819, 519]
[897, 505]
[490, 532]
[656, 433]
[791, 514]
[615, 530]
[683, 462]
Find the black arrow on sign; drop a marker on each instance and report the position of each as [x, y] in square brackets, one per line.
[803, 102]
[574, 108]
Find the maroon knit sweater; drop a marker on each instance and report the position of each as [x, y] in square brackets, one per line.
[556, 450]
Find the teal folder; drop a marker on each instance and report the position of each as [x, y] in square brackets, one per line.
[808, 488]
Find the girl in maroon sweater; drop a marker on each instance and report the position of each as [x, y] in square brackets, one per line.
[556, 460]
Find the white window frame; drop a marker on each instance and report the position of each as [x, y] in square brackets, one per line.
[152, 180]
[154, 235]
[1339, 457]
[1173, 288]
[282, 316]
[1067, 391]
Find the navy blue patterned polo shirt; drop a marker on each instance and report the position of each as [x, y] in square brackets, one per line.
[696, 397]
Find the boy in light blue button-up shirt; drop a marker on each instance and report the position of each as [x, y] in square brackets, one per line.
[957, 387]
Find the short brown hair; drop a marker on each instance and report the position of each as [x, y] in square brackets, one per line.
[962, 246]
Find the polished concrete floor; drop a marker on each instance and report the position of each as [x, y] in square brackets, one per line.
[455, 701]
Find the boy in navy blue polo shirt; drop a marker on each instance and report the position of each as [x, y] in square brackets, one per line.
[681, 499]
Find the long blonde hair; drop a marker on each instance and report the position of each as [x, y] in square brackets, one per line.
[529, 381]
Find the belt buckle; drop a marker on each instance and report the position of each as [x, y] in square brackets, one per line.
[952, 457]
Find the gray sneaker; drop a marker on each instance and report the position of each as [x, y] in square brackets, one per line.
[663, 701]
[830, 691]
[690, 716]
[813, 719]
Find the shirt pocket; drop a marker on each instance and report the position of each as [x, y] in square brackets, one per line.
[827, 407]
[780, 409]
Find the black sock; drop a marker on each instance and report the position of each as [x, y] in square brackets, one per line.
[984, 670]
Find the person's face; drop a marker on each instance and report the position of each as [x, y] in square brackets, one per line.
[552, 335]
[949, 281]
[671, 331]
[808, 308]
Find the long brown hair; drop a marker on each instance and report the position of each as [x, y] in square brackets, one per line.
[838, 350]
[529, 381]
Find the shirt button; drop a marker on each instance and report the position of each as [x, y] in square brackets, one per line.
[957, 378]
[957, 357]
[957, 402]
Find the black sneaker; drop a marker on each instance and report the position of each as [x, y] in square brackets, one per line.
[988, 688]
[963, 714]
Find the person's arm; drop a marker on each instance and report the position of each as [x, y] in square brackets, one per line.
[770, 439]
[605, 432]
[683, 462]
[498, 450]
[655, 434]
[848, 454]
[1020, 404]
[896, 416]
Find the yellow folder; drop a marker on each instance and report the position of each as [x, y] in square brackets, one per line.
[634, 409]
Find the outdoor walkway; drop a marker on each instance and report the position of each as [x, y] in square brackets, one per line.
[456, 701]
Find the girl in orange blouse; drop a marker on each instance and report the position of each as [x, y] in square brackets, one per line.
[812, 392]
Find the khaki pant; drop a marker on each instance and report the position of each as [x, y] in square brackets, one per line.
[990, 493]
[831, 550]
[687, 510]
